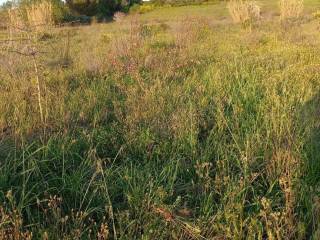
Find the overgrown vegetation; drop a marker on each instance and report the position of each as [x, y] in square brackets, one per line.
[191, 128]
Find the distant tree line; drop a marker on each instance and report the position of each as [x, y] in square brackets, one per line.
[179, 2]
[100, 7]
[68, 10]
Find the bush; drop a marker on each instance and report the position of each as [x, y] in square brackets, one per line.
[101, 8]
[83, 7]
[61, 13]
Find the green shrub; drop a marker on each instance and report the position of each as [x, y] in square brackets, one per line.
[101, 8]
[141, 9]
[61, 13]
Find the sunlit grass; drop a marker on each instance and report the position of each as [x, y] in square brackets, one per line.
[163, 126]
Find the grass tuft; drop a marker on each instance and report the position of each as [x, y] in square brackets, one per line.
[244, 11]
[290, 9]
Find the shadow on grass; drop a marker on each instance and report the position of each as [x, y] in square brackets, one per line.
[309, 192]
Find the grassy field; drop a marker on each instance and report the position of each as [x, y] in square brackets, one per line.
[174, 124]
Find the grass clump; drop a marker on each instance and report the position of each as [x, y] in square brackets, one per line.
[40, 15]
[37, 16]
[15, 19]
[244, 11]
[291, 9]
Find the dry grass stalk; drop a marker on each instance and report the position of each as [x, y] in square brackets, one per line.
[290, 9]
[40, 15]
[284, 166]
[15, 20]
[15, 24]
[21, 35]
[118, 17]
[244, 11]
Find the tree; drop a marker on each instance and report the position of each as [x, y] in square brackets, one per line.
[101, 8]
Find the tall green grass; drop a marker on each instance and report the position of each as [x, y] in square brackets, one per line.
[181, 131]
